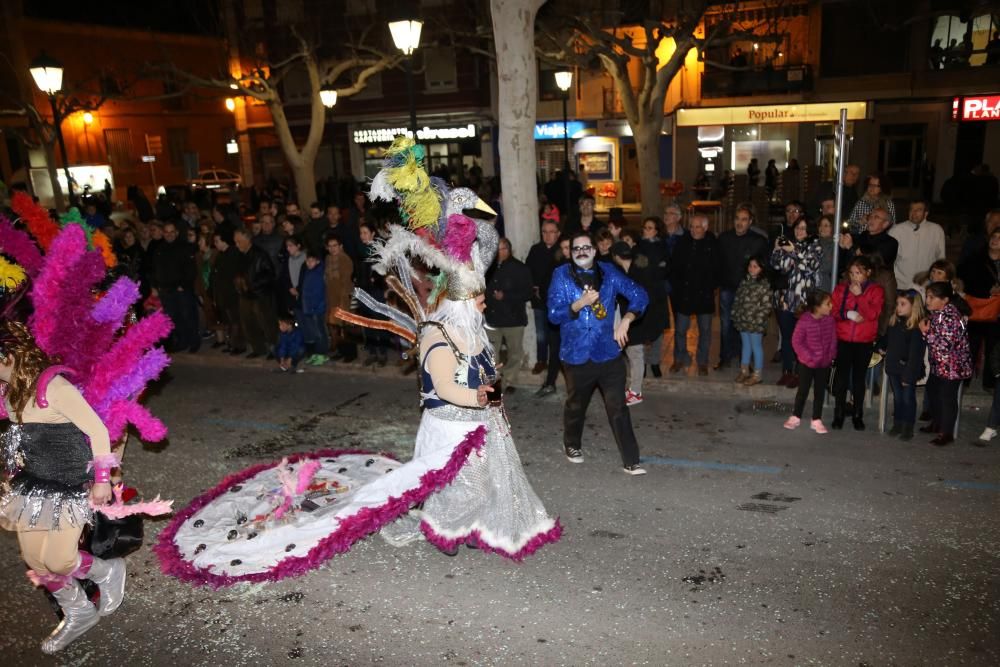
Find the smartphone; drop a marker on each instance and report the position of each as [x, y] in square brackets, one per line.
[496, 396]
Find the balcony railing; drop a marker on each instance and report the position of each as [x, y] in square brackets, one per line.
[769, 81]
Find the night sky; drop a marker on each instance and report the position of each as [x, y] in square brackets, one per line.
[181, 16]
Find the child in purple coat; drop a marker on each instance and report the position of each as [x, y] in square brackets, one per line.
[815, 344]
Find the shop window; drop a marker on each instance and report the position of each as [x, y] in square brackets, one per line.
[957, 44]
[440, 73]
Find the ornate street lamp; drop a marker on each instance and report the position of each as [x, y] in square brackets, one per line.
[564, 80]
[406, 37]
[328, 96]
[48, 75]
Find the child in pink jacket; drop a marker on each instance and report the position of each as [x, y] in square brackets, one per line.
[815, 344]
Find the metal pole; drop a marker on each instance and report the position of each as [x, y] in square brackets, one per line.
[564, 214]
[841, 162]
[413, 101]
[57, 121]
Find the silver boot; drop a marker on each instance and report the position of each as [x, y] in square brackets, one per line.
[79, 615]
[109, 575]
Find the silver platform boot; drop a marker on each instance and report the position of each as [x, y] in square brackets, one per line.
[79, 615]
[109, 575]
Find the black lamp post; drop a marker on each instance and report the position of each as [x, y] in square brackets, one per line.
[564, 80]
[48, 74]
[406, 37]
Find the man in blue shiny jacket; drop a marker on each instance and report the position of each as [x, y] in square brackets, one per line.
[581, 302]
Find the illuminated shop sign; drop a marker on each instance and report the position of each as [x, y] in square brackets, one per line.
[555, 130]
[980, 107]
[772, 113]
[385, 135]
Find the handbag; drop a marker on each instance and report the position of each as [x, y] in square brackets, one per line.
[115, 538]
[984, 310]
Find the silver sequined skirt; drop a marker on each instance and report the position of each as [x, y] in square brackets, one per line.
[49, 484]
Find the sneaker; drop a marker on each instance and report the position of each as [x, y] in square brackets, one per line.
[792, 423]
[300, 370]
[634, 469]
[987, 435]
[545, 390]
[574, 455]
[632, 398]
[817, 426]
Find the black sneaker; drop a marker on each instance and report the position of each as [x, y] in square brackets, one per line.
[634, 469]
[574, 455]
[545, 390]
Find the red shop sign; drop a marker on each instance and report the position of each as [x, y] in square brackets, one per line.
[980, 107]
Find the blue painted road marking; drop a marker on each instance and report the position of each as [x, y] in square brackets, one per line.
[711, 465]
[981, 486]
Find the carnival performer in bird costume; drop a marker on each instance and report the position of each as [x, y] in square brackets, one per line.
[464, 483]
[71, 375]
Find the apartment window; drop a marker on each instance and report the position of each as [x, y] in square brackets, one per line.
[296, 87]
[121, 153]
[440, 73]
[177, 145]
[956, 44]
[901, 154]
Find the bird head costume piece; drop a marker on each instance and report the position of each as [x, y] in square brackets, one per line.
[437, 234]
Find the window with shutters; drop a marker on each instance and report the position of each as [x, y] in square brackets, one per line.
[177, 145]
[121, 153]
[440, 72]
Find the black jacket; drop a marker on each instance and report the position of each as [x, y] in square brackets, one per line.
[658, 254]
[979, 274]
[256, 276]
[541, 262]
[224, 271]
[694, 274]
[174, 266]
[735, 250]
[513, 279]
[905, 353]
[650, 325]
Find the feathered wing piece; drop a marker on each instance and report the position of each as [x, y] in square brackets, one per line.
[19, 246]
[111, 361]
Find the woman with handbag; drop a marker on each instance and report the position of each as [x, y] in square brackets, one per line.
[980, 275]
[61, 458]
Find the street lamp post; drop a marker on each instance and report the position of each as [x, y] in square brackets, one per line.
[564, 80]
[48, 74]
[406, 37]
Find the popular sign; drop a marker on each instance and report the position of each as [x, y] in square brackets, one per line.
[773, 113]
[980, 107]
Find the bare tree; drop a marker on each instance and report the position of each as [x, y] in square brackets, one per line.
[570, 38]
[348, 71]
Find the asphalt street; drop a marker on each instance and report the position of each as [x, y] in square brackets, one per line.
[745, 543]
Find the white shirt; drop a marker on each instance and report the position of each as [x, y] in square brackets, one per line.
[919, 247]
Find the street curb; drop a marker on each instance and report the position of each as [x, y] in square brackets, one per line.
[686, 385]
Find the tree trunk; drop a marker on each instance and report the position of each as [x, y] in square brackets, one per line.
[50, 166]
[517, 81]
[647, 146]
[302, 164]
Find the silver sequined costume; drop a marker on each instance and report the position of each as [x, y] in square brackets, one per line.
[490, 503]
[48, 465]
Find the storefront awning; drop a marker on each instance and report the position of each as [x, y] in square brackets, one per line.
[771, 113]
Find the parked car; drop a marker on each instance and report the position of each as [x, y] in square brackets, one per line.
[216, 179]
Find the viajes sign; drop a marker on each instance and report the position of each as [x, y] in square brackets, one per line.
[385, 135]
[978, 107]
[771, 113]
